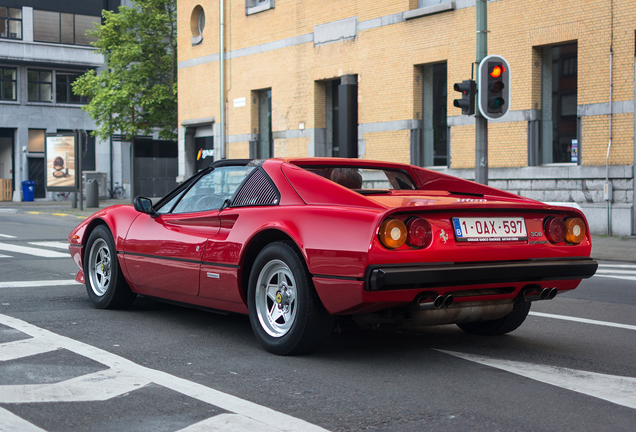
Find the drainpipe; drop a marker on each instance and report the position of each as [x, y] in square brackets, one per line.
[608, 186]
[222, 86]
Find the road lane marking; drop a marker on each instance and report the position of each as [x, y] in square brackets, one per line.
[584, 320]
[53, 244]
[98, 386]
[10, 422]
[616, 389]
[37, 284]
[632, 278]
[228, 422]
[632, 266]
[32, 251]
[5, 256]
[24, 348]
[613, 271]
[7, 236]
[59, 214]
[257, 413]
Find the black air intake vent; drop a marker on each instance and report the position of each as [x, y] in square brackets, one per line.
[258, 190]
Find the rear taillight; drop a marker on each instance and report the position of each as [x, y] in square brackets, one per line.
[574, 230]
[554, 229]
[419, 233]
[392, 233]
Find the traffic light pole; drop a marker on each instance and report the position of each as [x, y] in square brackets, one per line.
[481, 123]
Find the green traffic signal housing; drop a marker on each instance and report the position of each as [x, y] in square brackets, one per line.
[467, 102]
[494, 87]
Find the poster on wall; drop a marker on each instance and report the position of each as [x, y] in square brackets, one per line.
[61, 168]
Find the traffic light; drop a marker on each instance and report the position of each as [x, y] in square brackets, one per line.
[467, 102]
[494, 87]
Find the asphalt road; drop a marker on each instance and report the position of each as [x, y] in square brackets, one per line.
[65, 366]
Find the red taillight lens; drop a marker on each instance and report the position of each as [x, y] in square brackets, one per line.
[575, 230]
[419, 233]
[392, 233]
[555, 229]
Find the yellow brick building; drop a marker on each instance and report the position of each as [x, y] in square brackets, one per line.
[375, 80]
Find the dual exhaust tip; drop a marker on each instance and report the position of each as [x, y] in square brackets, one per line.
[433, 301]
[538, 293]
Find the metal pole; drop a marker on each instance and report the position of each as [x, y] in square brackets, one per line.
[481, 124]
[222, 86]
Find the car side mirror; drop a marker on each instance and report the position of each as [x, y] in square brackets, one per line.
[144, 205]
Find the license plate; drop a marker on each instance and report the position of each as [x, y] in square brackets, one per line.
[489, 229]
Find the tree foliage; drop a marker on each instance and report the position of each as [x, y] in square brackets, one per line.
[137, 91]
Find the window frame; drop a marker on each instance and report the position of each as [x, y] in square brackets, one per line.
[3, 80]
[8, 19]
[256, 6]
[61, 27]
[39, 84]
[69, 91]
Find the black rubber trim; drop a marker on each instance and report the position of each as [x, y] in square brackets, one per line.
[393, 277]
[180, 260]
[345, 278]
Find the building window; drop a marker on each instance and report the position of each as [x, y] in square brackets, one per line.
[64, 91]
[8, 84]
[434, 127]
[10, 23]
[36, 140]
[40, 86]
[197, 24]
[63, 27]
[559, 123]
[255, 6]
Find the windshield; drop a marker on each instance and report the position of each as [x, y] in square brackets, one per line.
[362, 179]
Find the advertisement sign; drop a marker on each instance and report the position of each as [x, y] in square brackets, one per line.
[574, 151]
[61, 168]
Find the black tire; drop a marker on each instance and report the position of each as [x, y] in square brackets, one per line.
[502, 325]
[285, 312]
[103, 277]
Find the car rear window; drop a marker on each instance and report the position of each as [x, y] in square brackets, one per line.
[365, 179]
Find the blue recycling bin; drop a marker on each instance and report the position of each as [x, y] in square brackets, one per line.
[28, 190]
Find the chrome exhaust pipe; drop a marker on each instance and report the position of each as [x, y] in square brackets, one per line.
[535, 293]
[448, 300]
[423, 302]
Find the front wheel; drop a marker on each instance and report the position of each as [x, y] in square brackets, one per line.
[105, 281]
[502, 325]
[285, 312]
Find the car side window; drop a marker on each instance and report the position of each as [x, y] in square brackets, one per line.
[211, 190]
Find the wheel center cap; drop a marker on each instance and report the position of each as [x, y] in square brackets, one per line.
[279, 298]
[102, 267]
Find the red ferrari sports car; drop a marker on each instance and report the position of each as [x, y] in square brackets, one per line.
[294, 243]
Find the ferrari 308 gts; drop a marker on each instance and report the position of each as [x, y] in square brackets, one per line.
[295, 243]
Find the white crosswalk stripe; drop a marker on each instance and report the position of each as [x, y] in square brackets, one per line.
[52, 244]
[124, 376]
[617, 271]
[43, 253]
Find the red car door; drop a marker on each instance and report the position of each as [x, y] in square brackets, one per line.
[165, 252]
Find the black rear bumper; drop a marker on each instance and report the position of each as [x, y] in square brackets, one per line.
[393, 277]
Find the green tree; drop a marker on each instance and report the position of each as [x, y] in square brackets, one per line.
[137, 91]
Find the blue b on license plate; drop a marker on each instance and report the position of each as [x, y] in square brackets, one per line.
[489, 229]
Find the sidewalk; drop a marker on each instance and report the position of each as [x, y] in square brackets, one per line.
[603, 248]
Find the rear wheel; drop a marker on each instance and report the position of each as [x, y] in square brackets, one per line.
[105, 282]
[284, 310]
[502, 325]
